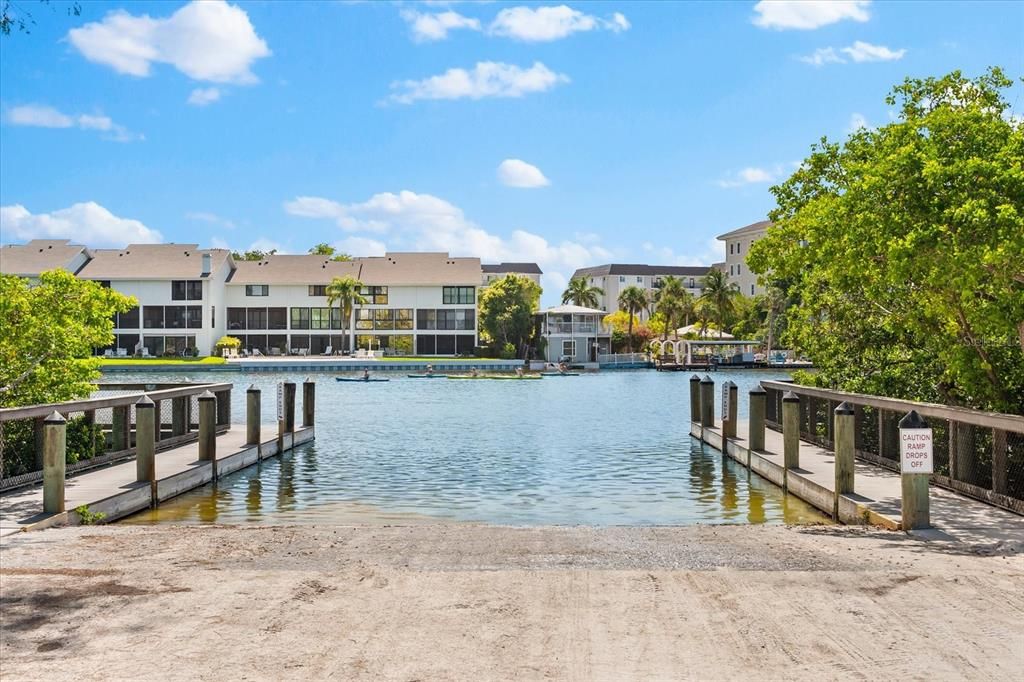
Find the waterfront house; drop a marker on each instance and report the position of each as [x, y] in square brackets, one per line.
[574, 334]
[737, 245]
[614, 277]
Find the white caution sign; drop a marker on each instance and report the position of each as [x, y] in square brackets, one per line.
[280, 401]
[916, 451]
[726, 387]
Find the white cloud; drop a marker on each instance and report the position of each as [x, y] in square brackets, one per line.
[858, 52]
[545, 24]
[711, 251]
[200, 97]
[822, 56]
[751, 176]
[429, 27]
[361, 246]
[264, 244]
[211, 218]
[41, 116]
[866, 52]
[85, 223]
[487, 79]
[207, 41]
[423, 222]
[517, 173]
[808, 14]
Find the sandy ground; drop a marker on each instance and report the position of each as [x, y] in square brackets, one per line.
[455, 602]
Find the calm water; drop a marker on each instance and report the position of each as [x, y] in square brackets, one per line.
[605, 449]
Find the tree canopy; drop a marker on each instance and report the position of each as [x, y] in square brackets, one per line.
[323, 249]
[901, 249]
[253, 254]
[49, 332]
[506, 310]
[580, 292]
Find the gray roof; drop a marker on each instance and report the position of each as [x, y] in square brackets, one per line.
[521, 268]
[569, 309]
[394, 269]
[283, 269]
[152, 261]
[640, 269]
[39, 255]
[747, 229]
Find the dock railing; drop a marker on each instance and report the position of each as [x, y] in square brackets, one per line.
[613, 359]
[101, 429]
[979, 454]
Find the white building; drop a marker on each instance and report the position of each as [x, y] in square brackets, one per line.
[574, 334]
[494, 272]
[417, 303]
[737, 246]
[615, 277]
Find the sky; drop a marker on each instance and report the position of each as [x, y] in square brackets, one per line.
[567, 135]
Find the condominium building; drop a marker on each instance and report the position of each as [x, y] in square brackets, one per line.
[737, 246]
[615, 277]
[494, 272]
[415, 303]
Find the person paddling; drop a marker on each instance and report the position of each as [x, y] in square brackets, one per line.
[430, 370]
[366, 375]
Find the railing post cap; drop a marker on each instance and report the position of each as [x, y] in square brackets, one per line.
[695, 378]
[790, 397]
[55, 417]
[252, 389]
[912, 420]
[288, 383]
[758, 390]
[145, 401]
[707, 379]
[844, 408]
[308, 380]
[206, 395]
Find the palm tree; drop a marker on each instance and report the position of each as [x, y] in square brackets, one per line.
[719, 295]
[673, 301]
[582, 294]
[633, 300]
[346, 292]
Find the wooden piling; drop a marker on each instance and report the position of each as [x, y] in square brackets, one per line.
[695, 399]
[843, 427]
[790, 434]
[308, 402]
[252, 415]
[55, 443]
[707, 402]
[758, 400]
[208, 430]
[145, 444]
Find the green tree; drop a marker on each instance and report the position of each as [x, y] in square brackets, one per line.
[718, 298]
[253, 254]
[16, 16]
[633, 300]
[903, 249]
[49, 332]
[506, 310]
[346, 293]
[672, 304]
[323, 249]
[579, 292]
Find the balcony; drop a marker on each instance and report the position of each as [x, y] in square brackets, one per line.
[573, 327]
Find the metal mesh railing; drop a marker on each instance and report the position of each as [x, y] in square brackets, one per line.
[980, 454]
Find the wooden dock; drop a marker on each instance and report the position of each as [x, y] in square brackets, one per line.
[115, 492]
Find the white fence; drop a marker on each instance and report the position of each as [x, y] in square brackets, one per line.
[623, 358]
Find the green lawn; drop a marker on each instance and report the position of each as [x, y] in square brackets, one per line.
[212, 360]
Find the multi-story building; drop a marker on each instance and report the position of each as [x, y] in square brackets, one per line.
[416, 303]
[615, 277]
[493, 272]
[737, 246]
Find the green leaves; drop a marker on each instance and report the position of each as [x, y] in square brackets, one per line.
[506, 309]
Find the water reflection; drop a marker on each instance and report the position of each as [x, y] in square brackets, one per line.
[609, 449]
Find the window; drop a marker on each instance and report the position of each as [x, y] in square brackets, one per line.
[639, 280]
[751, 289]
[730, 248]
[153, 317]
[105, 283]
[194, 317]
[364, 319]
[375, 295]
[317, 289]
[320, 318]
[403, 318]
[730, 270]
[127, 320]
[622, 279]
[692, 283]
[426, 319]
[739, 269]
[300, 318]
[257, 290]
[236, 318]
[213, 317]
[277, 318]
[256, 318]
[384, 318]
[458, 295]
[739, 245]
[445, 344]
[569, 348]
[187, 290]
[174, 317]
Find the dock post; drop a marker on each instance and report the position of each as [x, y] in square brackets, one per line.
[179, 416]
[308, 401]
[121, 428]
[731, 403]
[252, 415]
[790, 434]
[289, 407]
[55, 443]
[208, 430]
[145, 440]
[707, 403]
[843, 430]
[695, 399]
[758, 398]
[915, 433]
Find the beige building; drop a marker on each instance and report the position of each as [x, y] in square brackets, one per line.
[40, 255]
[494, 272]
[615, 277]
[737, 246]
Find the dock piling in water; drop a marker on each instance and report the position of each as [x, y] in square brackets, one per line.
[289, 407]
[707, 402]
[252, 415]
[695, 398]
[308, 401]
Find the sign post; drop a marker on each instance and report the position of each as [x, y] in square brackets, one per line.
[916, 466]
[280, 418]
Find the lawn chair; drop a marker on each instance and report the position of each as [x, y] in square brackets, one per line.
[328, 350]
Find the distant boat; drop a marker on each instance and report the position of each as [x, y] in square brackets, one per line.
[360, 379]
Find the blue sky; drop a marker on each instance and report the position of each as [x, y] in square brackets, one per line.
[570, 135]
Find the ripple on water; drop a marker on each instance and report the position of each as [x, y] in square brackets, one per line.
[606, 449]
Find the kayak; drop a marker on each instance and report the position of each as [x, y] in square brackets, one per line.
[427, 376]
[559, 374]
[494, 376]
[359, 379]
